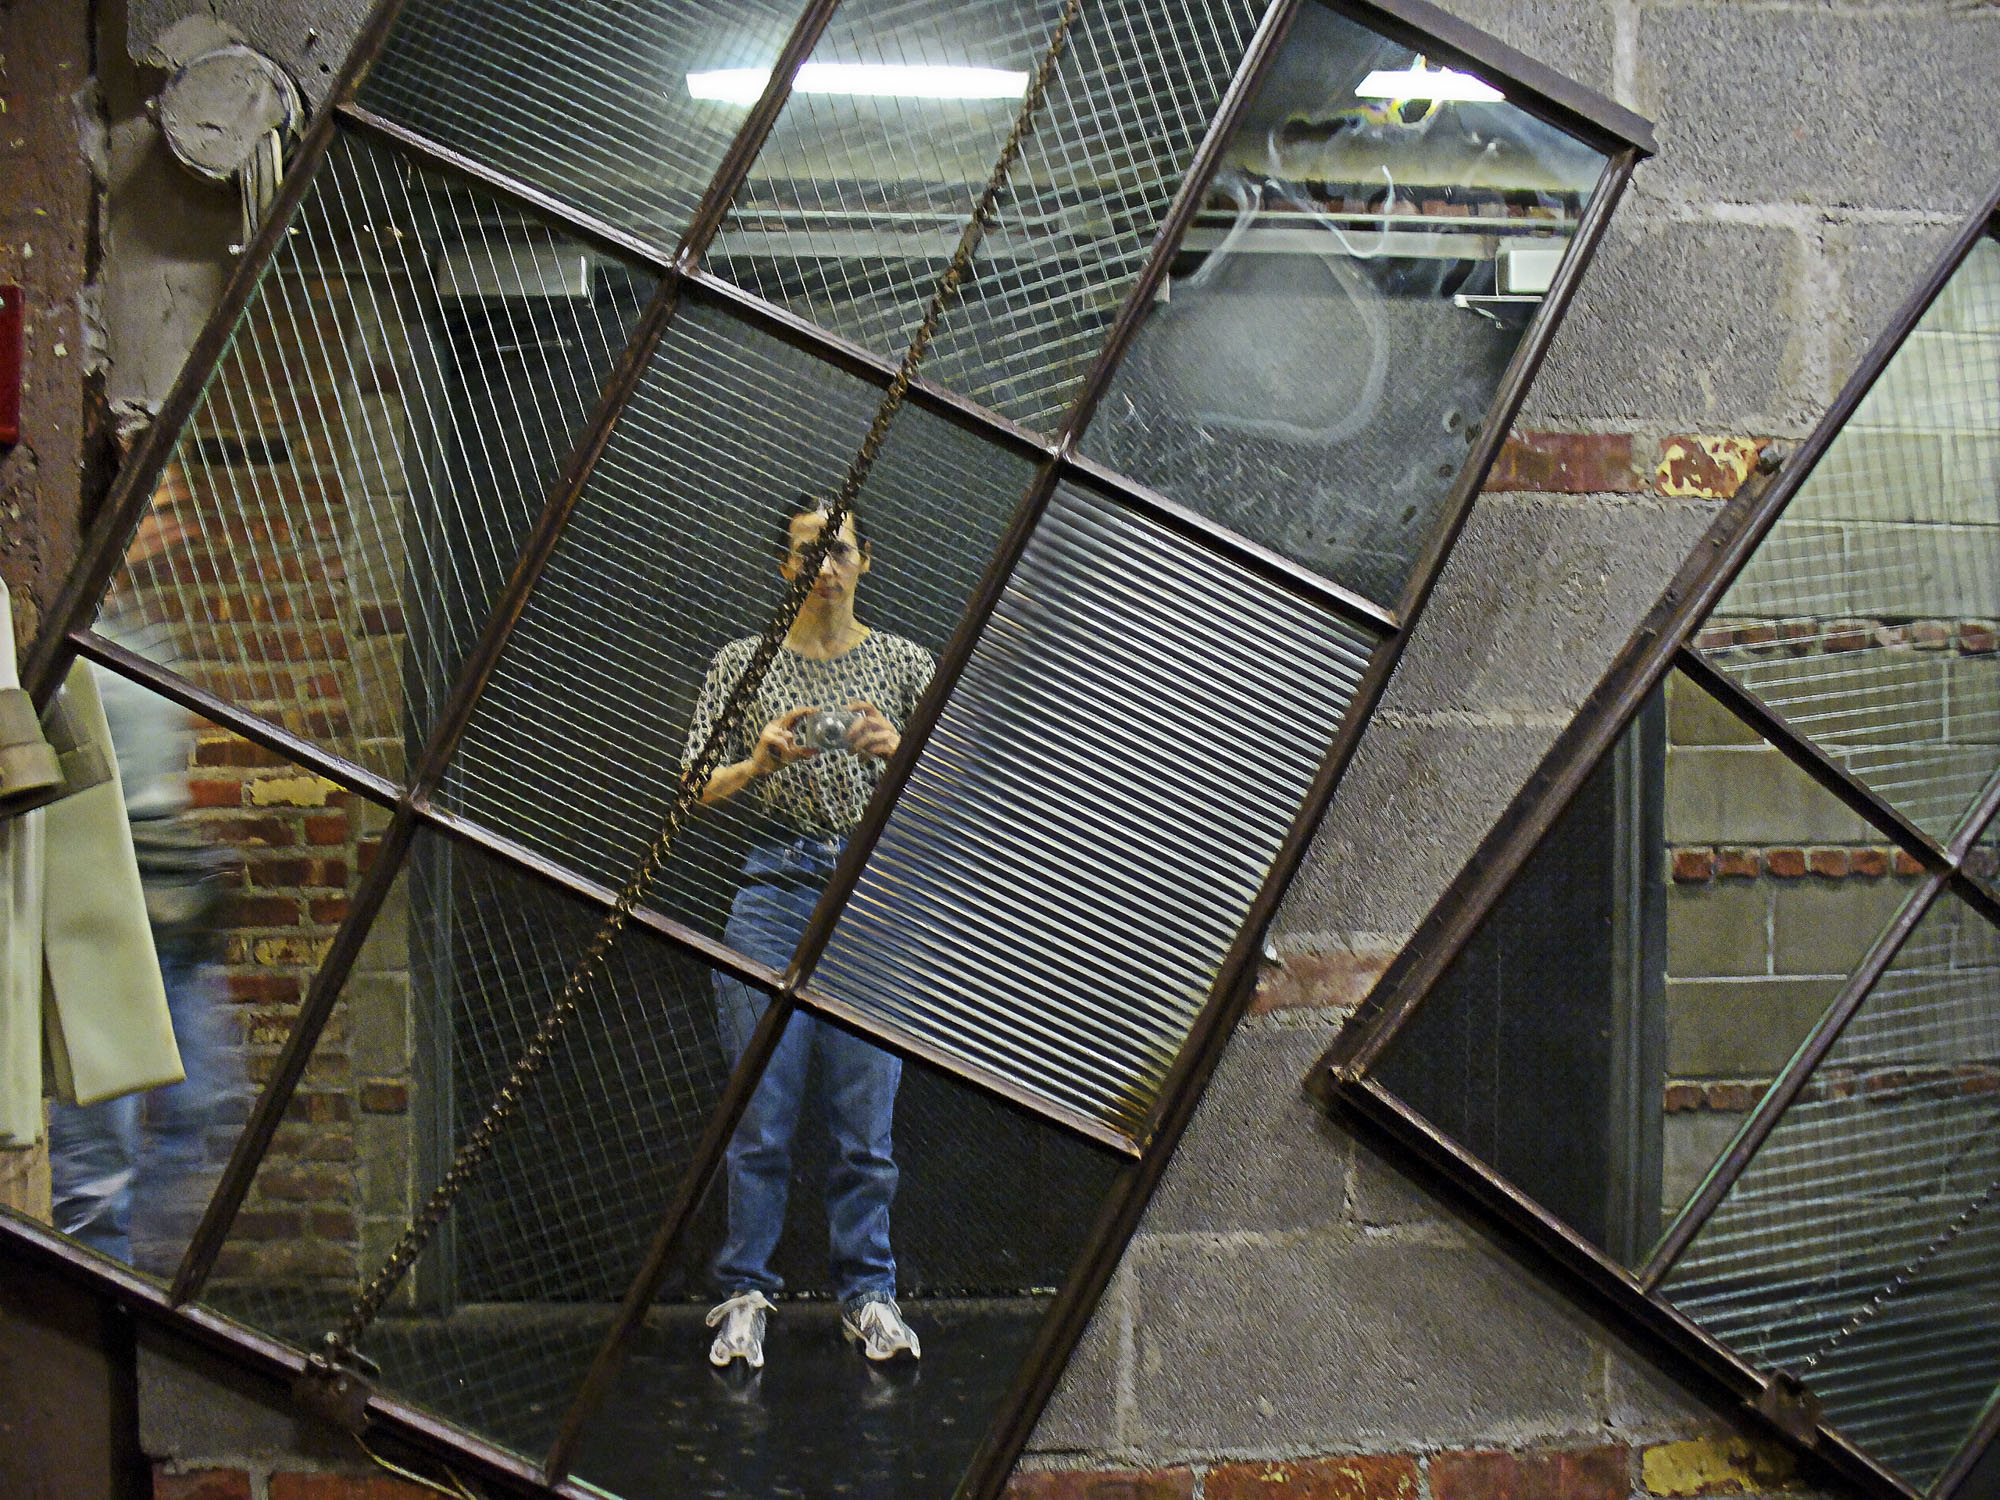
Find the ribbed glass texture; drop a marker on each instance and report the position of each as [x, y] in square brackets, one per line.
[853, 207]
[498, 1320]
[588, 103]
[1341, 315]
[1860, 1249]
[575, 750]
[350, 492]
[1867, 616]
[1095, 811]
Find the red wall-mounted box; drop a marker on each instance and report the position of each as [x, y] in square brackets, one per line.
[10, 364]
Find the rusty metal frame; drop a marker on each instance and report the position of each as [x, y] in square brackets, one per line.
[1345, 1078]
[1624, 138]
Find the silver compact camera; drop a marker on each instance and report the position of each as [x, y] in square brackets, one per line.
[825, 729]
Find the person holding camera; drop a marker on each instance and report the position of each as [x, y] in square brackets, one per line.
[829, 713]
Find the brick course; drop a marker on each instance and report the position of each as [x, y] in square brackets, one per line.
[1583, 1474]
[1366, 1476]
[201, 1484]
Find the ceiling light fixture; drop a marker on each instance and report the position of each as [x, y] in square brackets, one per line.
[880, 80]
[1422, 83]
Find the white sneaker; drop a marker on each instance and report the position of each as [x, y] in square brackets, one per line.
[876, 1324]
[742, 1335]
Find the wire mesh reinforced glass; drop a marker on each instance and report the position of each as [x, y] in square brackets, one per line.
[1867, 617]
[497, 1322]
[1860, 1249]
[249, 862]
[992, 1206]
[1650, 971]
[856, 201]
[350, 492]
[590, 104]
[1339, 318]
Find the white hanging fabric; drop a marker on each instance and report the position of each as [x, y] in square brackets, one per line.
[20, 948]
[109, 1030]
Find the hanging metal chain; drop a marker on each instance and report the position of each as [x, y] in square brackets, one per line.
[1896, 1284]
[334, 1359]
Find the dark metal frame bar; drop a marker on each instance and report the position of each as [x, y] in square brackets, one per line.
[1813, 759]
[1580, 1267]
[1953, 1477]
[259, 731]
[1624, 137]
[1343, 1079]
[1787, 1086]
[77, 600]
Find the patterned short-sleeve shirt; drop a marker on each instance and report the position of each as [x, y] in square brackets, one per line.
[822, 795]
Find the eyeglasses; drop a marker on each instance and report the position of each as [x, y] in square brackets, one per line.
[836, 551]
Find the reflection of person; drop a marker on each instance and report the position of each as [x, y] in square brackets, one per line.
[111, 1184]
[814, 798]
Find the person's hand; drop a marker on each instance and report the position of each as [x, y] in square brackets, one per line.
[874, 735]
[775, 748]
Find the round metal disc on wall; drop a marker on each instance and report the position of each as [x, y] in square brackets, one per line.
[219, 106]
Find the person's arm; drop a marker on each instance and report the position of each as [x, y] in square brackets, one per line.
[774, 750]
[876, 735]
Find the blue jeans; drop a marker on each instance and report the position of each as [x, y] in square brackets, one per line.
[101, 1170]
[766, 920]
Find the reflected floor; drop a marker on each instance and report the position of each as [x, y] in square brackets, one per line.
[818, 1420]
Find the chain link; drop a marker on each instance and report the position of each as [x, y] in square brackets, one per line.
[337, 1347]
[1902, 1279]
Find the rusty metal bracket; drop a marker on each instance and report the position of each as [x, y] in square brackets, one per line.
[1790, 1407]
[336, 1387]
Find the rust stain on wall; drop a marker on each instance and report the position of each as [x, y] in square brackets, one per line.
[1705, 468]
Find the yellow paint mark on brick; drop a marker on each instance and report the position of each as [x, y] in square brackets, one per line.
[1705, 468]
[301, 953]
[1716, 1466]
[291, 791]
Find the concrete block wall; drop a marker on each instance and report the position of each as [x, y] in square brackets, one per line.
[1775, 892]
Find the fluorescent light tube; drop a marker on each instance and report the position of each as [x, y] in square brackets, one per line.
[1419, 83]
[879, 80]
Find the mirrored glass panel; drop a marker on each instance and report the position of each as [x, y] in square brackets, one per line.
[1656, 963]
[1867, 618]
[498, 1320]
[858, 199]
[1860, 1250]
[1095, 811]
[598, 106]
[247, 862]
[352, 488]
[970, 1211]
[673, 561]
[1337, 322]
